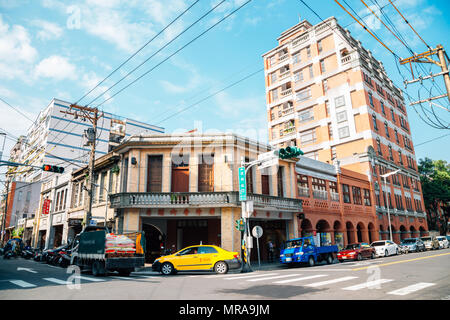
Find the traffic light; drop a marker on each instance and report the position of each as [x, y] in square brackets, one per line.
[50, 168]
[289, 152]
[240, 225]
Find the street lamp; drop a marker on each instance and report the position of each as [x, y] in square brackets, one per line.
[384, 176]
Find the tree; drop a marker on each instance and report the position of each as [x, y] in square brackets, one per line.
[435, 180]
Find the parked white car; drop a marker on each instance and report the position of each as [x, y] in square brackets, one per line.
[443, 242]
[384, 248]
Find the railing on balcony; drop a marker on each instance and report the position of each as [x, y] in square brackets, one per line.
[282, 58]
[300, 40]
[303, 192]
[334, 196]
[286, 92]
[198, 199]
[289, 130]
[346, 59]
[320, 194]
[284, 75]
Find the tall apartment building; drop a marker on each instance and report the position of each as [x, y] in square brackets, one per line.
[57, 137]
[329, 96]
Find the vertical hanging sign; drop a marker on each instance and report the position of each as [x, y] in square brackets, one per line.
[242, 185]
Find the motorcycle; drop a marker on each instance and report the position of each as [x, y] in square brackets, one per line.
[63, 259]
[27, 253]
[38, 255]
[10, 254]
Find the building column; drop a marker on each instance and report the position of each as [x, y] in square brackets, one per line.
[230, 237]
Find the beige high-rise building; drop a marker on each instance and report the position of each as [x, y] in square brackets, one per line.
[329, 96]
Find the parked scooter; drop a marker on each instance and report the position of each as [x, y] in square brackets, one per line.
[63, 258]
[10, 254]
[27, 253]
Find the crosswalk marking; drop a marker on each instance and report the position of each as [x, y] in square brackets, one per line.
[251, 276]
[318, 284]
[274, 277]
[22, 283]
[369, 284]
[411, 288]
[300, 279]
[57, 281]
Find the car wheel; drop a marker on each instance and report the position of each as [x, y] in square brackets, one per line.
[221, 267]
[311, 261]
[359, 258]
[396, 251]
[330, 259]
[386, 253]
[372, 256]
[98, 269]
[167, 269]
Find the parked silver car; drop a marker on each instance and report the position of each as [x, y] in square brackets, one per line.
[443, 242]
[430, 242]
[413, 244]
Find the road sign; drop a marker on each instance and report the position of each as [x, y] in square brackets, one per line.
[267, 159]
[257, 232]
[242, 185]
[93, 222]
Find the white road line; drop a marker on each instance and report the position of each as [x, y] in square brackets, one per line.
[300, 279]
[410, 289]
[122, 278]
[251, 276]
[89, 279]
[57, 281]
[274, 277]
[22, 284]
[369, 284]
[318, 284]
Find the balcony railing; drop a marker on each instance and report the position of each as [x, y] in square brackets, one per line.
[199, 199]
[334, 196]
[286, 92]
[320, 194]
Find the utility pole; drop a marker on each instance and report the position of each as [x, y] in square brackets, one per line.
[92, 114]
[425, 57]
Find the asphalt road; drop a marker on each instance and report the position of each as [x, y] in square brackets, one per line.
[414, 276]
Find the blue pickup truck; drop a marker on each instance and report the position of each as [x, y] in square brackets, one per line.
[304, 250]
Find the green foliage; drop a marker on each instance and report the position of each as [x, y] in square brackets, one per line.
[435, 180]
[17, 232]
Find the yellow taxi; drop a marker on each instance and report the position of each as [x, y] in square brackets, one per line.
[198, 258]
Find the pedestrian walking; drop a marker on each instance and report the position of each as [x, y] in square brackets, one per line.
[271, 249]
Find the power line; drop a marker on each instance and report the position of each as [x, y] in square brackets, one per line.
[212, 95]
[395, 55]
[434, 139]
[170, 56]
[159, 50]
[140, 49]
[17, 110]
[407, 22]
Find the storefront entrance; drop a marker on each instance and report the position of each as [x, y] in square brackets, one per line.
[57, 235]
[274, 231]
[154, 241]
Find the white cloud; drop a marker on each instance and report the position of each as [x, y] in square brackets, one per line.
[48, 30]
[193, 82]
[16, 51]
[56, 67]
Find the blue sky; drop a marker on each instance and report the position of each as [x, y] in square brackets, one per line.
[52, 48]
